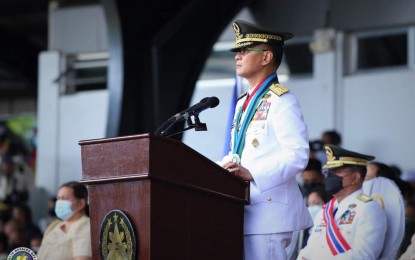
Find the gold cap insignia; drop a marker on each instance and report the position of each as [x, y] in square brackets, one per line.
[329, 154]
[237, 31]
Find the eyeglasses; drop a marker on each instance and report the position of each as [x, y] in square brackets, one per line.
[244, 51]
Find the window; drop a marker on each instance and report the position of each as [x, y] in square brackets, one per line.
[382, 50]
[86, 71]
[298, 58]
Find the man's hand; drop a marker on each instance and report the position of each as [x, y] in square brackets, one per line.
[238, 170]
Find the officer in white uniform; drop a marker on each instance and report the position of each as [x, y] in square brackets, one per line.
[387, 193]
[352, 225]
[270, 138]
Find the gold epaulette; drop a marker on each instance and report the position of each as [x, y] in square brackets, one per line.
[364, 198]
[278, 89]
[243, 95]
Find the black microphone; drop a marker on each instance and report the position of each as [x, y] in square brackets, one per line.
[195, 110]
[192, 108]
[207, 102]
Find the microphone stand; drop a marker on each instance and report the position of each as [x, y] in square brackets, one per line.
[197, 125]
[166, 125]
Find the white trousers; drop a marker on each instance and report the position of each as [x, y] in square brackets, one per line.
[266, 246]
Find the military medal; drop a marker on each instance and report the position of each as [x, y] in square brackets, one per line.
[352, 206]
[235, 158]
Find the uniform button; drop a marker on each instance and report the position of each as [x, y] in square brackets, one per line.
[269, 198]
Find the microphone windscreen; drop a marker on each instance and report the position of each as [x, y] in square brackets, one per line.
[204, 100]
[213, 102]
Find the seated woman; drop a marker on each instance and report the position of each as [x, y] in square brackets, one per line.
[70, 237]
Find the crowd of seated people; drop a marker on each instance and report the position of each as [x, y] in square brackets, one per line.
[62, 236]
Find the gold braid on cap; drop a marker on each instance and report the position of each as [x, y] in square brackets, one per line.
[239, 45]
[251, 40]
[338, 163]
[263, 36]
[353, 159]
[255, 37]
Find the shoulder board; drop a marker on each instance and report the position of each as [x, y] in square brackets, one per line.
[364, 198]
[243, 95]
[278, 89]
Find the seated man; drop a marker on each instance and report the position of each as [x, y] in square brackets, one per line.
[387, 193]
[351, 225]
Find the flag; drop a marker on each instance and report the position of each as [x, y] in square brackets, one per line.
[237, 90]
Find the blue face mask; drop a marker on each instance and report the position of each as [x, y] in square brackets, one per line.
[63, 209]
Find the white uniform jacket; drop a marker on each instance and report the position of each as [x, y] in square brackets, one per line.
[275, 151]
[362, 224]
[390, 198]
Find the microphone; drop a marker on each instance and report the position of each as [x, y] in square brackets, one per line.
[195, 110]
[195, 106]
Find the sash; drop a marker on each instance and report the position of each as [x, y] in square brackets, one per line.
[239, 135]
[337, 243]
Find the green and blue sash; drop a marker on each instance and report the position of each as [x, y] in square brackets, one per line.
[239, 133]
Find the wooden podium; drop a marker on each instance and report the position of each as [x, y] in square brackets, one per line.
[181, 205]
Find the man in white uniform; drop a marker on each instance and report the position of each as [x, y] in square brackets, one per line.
[351, 225]
[269, 145]
[387, 193]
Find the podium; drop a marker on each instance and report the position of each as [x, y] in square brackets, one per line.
[180, 204]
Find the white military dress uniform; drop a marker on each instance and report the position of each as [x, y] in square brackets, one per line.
[275, 151]
[362, 223]
[389, 196]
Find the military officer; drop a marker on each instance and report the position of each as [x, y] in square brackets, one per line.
[269, 145]
[387, 193]
[352, 225]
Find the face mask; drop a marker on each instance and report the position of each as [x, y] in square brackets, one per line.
[313, 210]
[308, 187]
[63, 209]
[333, 183]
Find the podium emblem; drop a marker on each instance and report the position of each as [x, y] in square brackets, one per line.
[22, 253]
[117, 238]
